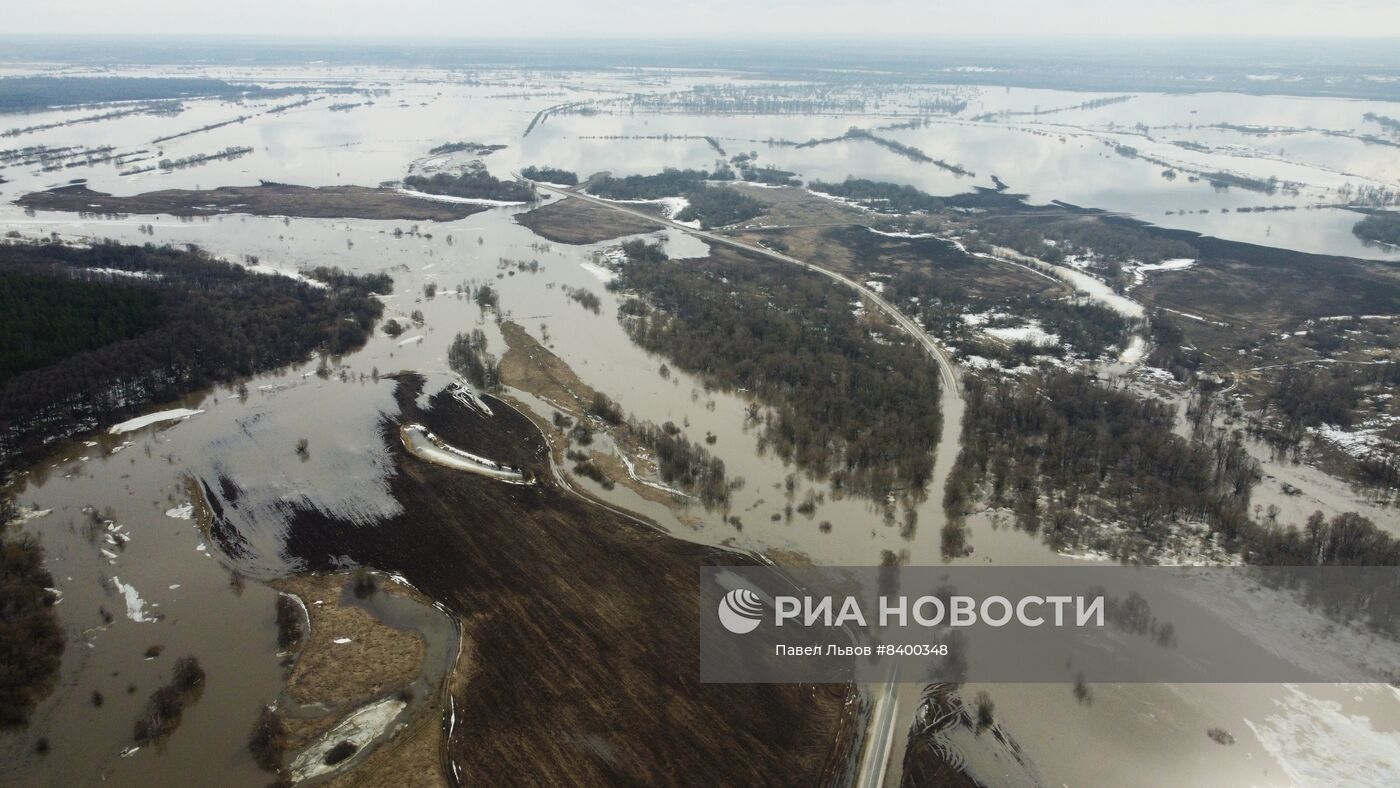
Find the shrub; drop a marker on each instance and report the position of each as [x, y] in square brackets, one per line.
[365, 583]
[289, 623]
[268, 741]
[188, 673]
[340, 752]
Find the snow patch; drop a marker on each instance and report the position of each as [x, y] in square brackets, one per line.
[1031, 333]
[360, 728]
[120, 272]
[450, 198]
[1176, 264]
[131, 425]
[268, 270]
[901, 234]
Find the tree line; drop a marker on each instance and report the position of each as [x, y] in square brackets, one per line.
[1380, 227]
[1055, 445]
[467, 357]
[846, 401]
[716, 206]
[31, 638]
[213, 322]
[670, 182]
[551, 175]
[1064, 453]
[472, 183]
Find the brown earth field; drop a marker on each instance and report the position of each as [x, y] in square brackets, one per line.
[573, 221]
[583, 623]
[269, 199]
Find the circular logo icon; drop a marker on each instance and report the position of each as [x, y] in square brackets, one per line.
[740, 611]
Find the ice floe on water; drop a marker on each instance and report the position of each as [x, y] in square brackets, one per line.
[135, 605]
[184, 511]
[602, 274]
[131, 425]
[33, 512]
[1316, 742]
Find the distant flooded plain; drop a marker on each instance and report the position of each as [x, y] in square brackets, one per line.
[169, 586]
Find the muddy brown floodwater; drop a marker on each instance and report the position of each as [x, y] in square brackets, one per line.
[169, 587]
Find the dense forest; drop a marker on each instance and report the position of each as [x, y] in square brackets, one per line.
[551, 175]
[38, 92]
[48, 319]
[31, 639]
[473, 183]
[1066, 454]
[716, 206]
[667, 183]
[1169, 348]
[847, 401]
[1063, 452]
[712, 206]
[1381, 228]
[210, 322]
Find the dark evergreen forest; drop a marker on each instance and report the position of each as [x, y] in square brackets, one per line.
[189, 322]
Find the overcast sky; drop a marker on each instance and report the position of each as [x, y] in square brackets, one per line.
[715, 17]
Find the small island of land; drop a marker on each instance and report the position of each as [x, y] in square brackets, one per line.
[267, 199]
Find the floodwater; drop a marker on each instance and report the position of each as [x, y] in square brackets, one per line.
[186, 591]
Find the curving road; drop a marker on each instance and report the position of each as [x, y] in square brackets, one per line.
[883, 745]
[945, 364]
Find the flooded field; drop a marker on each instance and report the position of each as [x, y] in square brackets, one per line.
[114, 510]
